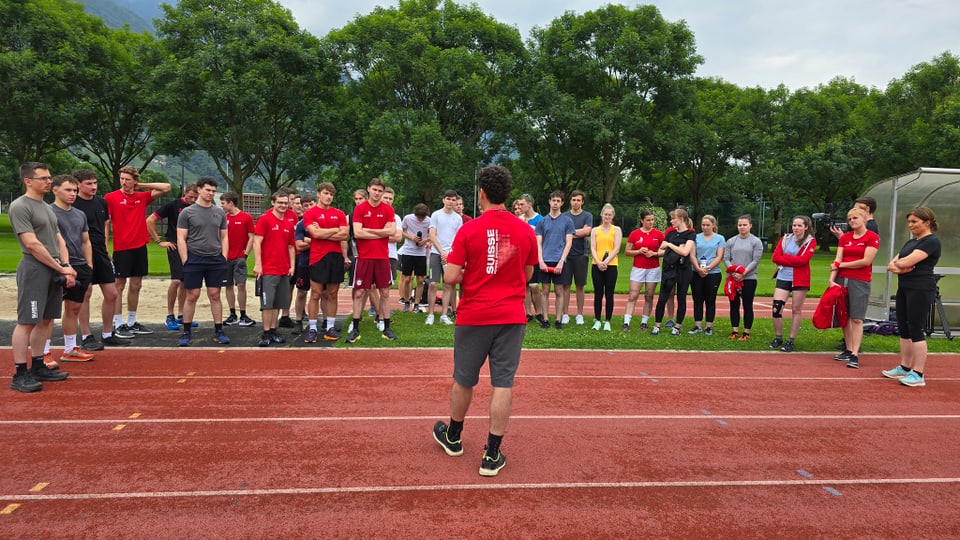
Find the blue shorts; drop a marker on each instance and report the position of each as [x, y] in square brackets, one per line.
[197, 270]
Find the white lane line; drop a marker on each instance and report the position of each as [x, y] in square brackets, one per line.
[129, 421]
[483, 376]
[472, 487]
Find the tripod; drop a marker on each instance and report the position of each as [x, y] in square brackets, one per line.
[929, 327]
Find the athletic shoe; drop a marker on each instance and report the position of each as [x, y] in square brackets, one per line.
[912, 379]
[452, 448]
[50, 362]
[43, 373]
[123, 330]
[596, 325]
[854, 362]
[264, 341]
[544, 323]
[184, 340]
[896, 373]
[193, 324]
[606, 326]
[232, 320]
[776, 343]
[676, 331]
[114, 340]
[787, 346]
[310, 336]
[734, 336]
[708, 331]
[76, 355]
[844, 356]
[275, 338]
[285, 322]
[24, 382]
[389, 335]
[696, 330]
[565, 319]
[655, 331]
[353, 336]
[297, 328]
[643, 327]
[669, 324]
[745, 337]
[558, 325]
[172, 323]
[490, 466]
[406, 306]
[429, 321]
[246, 321]
[332, 334]
[220, 338]
[90, 343]
[140, 329]
[625, 328]
[579, 320]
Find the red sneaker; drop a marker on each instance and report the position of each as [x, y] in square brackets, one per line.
[76, 355]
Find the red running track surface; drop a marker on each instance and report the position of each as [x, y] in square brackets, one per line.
[252, 443]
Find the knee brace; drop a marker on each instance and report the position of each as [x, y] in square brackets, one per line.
[778, 309]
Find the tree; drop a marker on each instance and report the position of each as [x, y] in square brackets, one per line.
[425, 85]
[599, 87]
[222, 85]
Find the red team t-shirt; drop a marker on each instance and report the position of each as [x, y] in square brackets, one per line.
[238, 229]
[373, 217]
[652, 240]
[330, 218]
[277, 237]
[128, 217]
[493, 250]
[853, 249]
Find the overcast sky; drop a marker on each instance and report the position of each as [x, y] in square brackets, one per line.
[748, 42]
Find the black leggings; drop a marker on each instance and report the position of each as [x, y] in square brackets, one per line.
[704, 291]
[681, 280]
[604, 283]
[913, 307]
[746, 295]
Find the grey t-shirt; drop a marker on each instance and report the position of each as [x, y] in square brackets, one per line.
[581, 220]
[745, 252]
[72, 224]
[203, 225]
[32, 216]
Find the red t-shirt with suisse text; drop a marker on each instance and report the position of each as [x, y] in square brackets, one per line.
[128, 218]
[493, 250]
[329, 218]
[373, 217]
[853, 250]
[652, 240]
[277, 236]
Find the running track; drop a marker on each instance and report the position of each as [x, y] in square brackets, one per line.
[332, 443]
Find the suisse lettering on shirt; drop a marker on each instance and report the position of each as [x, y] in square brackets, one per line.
[493, 251]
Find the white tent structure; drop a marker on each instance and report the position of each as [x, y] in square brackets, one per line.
[938, 189]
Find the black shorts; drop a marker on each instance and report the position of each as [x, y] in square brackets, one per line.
[131, 262]
[788, 286]
[78, 291]
[301, 277]
[579, 264]
[102, 269]
[328, 270]
[176, 265]
[563, 278]
[411, 265]
[197, 270]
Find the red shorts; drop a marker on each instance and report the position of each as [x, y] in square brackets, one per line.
[371, 273]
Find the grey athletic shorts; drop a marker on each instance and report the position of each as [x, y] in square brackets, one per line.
[472, 345]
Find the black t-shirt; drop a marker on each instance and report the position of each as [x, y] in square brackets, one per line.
[921, 278]
[872, 226]
[96, 211]
[671, 259]
[171, 213]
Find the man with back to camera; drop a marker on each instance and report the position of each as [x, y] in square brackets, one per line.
[554, 238]
[98, 224]
[176, 294]
[39, 294]
[492, 258]
[240, 236]
[444, 224]
[274, 255]
[203, 246]
[128, 219]
[579, 259]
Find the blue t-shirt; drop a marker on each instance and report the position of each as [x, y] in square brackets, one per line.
[707, 250]
[581, 220]
[300, 233]
[554, 233]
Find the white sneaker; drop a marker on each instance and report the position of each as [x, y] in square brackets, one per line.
[606, 326]
[380, 325]
[565, 319]
[596, 325]
[429, 320]
[580, 320]
[445, 320]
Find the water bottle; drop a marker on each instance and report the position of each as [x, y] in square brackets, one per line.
[703, 262]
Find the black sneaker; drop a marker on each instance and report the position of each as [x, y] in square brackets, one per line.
[43, 373]
[90, 343]
[389, 335]
[277, 338]
[452, 448]
[246, 322]
[490, 466]
[844, 356]
[138, 328]
[232, 320]
[310, 336]
[265, 341]
[776, 343]
[558, 325]
[24, 382]
[115, 341]
[332, 334]
[353, 336]
[854, 362]
[285, 322]
[123, 332]
[544, 323]
[625, 328]
[787, 346]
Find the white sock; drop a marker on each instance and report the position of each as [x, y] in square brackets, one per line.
[626, 319]
[69, 342]
[131, 318]
[331, 322]
[313, 324]
[105, 335]
[117, 321]
[85, 336]
[46, 347]
[644, 319]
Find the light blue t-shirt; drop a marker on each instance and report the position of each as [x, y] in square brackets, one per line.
[790, 247]
[707, 249]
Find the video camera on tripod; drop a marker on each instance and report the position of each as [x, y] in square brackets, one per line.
[827, 219]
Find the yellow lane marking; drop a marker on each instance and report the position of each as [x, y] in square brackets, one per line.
[40, 486]
[118, 427]
[9, 509]
[135, 415]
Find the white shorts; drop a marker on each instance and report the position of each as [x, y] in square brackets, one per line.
[645, 275]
